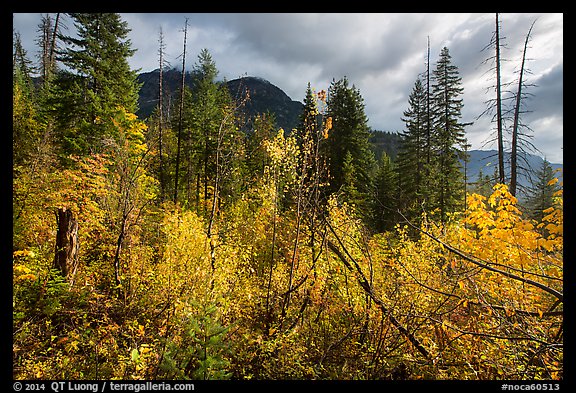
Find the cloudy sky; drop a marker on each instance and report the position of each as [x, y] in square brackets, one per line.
[381, 54]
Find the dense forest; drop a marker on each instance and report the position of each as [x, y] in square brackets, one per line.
[198, 244]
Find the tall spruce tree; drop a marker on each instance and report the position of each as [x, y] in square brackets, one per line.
[25, 127]
[541, 193]
[309, 124]
[97, 82]
[350, 134]
[309, 135]
[449, 136]
[412, 161]
[206, 113]
[386, 201]
[212, 144]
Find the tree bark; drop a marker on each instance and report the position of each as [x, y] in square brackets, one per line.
[66, 251]
[514, 153]
[501, 176]
[182, 86]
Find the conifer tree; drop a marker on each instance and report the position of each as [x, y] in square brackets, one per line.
[540, 195]
[449, 136]
[162, 61]
[180, 116]
[349, 133]
[483, 184]
[412, 156]
[309, 119]
[256, 157]
[213, 145]
[48, 30]
[310, 133]
[99, 81]
[386, 199]
[349, 190]
[25, 127]
[206, 116]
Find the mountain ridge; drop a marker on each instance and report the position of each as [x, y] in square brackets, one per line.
[264, 95]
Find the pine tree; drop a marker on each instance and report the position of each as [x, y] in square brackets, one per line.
[99, 81]
[213, 146]
[256, 156]
[385, 195]
[25, 127]
[160, 110]
[206, 116]
[309, 119]
[412, 156]
[180, 116]
[349, 190]
[449, 136]
[313, 129]
[483, 184]
[350, 133]
[540, 195]
[48, 30]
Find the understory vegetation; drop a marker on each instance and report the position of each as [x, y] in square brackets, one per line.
[195, 245]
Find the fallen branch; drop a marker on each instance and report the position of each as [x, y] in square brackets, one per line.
[557, 294]
[369, 291]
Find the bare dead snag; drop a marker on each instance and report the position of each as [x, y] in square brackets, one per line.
[66, 251]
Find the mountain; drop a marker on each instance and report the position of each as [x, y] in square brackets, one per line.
[264, 96]
[148, 95]
[487, 160]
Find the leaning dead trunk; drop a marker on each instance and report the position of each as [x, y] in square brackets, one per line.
[66, 253]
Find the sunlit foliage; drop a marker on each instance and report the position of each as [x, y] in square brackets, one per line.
[277, 278]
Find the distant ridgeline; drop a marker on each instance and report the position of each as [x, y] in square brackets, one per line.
[484, 161]
[487, 160]
[266, 97]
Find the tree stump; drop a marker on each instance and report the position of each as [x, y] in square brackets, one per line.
[66, 252]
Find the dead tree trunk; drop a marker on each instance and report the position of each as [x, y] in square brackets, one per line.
[182, 86]
[66, 252]
[501, 176]
[515, 135]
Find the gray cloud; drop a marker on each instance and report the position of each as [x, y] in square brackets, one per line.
[381, 54]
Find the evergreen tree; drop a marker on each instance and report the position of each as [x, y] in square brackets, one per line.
[256, 156]
[412, 157]
[47, 30]
[310, 133]
[213, 147]
[309, 124]
[540, 195]
[99, 81]
[385, 195]
[483, 184]
[21, 65]
[349, 134]
[348, 188]
[449, 136]
[205, 113]
[25, 127]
